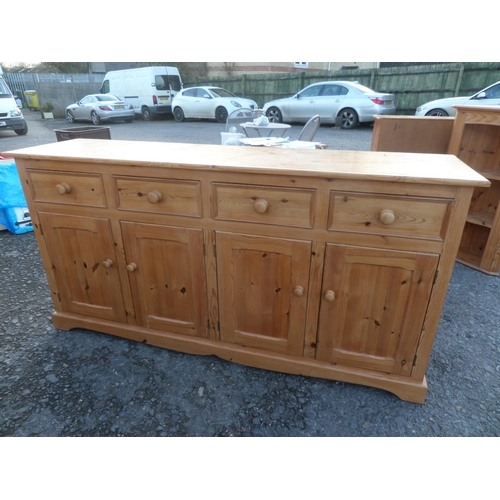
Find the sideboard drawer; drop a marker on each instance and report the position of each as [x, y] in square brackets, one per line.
[169, 196]
[67, 188]
[386, 214]
[264, 205]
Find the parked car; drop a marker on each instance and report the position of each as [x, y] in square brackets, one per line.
[490, 96]
[351, 102]
[208, 102]
[98, 108]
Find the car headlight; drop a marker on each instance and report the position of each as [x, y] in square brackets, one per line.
[16, 113]
[420, 108]
[236, 104]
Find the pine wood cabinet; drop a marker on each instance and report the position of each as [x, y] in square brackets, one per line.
[331, 264]
[475, 140]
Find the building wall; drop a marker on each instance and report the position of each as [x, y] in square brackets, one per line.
[215, 69]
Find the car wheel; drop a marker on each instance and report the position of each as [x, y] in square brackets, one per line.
[95, 118]
[22, 131]
[146, 114]
[274, 115]
[349, 118]
[221, 114]
[179, 115]
[70, 117]
[437, 112]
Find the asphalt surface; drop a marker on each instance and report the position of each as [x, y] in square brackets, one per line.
[83, 383]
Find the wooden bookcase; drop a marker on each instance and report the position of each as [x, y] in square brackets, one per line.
[475, 140]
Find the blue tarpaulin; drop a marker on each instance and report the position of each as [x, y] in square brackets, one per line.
[14, 214]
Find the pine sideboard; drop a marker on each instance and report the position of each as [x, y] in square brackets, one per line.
[330, 264]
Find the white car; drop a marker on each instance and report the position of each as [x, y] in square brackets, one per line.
[490, 96]
[208, 102]
[348, 102]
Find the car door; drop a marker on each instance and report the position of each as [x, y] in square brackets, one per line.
[205, 103]
[82, 112]
[329, 101]
[489, 97]
[303, 106]
[188, 103]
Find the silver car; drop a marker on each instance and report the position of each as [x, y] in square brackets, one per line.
[490, 96]
[349, 102]
[98, 108]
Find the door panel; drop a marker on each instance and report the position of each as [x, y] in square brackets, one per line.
[84, 265]
[263, 289]
[377, 296]
[167, 276]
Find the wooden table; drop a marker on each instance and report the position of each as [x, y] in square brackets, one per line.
[270, 128]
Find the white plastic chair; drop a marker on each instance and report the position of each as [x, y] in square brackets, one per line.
[310, 129]
[237, 117]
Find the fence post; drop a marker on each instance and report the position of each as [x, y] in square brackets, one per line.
[244, 85]
[459, 79]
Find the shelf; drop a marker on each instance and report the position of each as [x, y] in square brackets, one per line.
[480, 219]
[491, 175]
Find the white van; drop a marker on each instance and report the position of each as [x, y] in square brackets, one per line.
[11, 117]
[150, 90]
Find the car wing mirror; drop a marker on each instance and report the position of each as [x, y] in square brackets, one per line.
[206, 96]
[481, 95]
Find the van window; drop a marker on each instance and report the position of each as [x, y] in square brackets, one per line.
[4, 90]
[164, 82]
[105, 87]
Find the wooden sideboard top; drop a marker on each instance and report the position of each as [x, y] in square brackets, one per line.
[369, 165]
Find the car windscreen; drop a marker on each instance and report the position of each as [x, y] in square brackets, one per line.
[363, 89]
[164, 82]
[218, 92]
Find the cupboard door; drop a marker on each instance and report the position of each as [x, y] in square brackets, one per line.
[373, 307]
[167, 277]
[83, 261]
[263, 289]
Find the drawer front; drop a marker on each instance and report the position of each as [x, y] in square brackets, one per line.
[387, 214]
[264, 205]
[159, 195]
[67, 188]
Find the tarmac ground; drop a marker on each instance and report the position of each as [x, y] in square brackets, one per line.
[83, 383]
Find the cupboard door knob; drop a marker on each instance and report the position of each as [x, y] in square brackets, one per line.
[154, 196]
[107, 263]
[387, 217]
[63, 188]
[131, 267]
[298, 291]
[260, 206]
[330, 296]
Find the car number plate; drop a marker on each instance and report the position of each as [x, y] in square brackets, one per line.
[119, 107]
[163, 98]
[388, 103]
[2, 124]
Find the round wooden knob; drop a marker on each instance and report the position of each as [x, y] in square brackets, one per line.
[260, 206]
[298, 291]
[154, 196]
[107, 263]
[131, 267]
[387, 217]
[63, 188]
[330, 296]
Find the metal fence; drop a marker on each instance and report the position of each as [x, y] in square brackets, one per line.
[30, 81]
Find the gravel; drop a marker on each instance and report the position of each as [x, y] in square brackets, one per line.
[83, 383]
